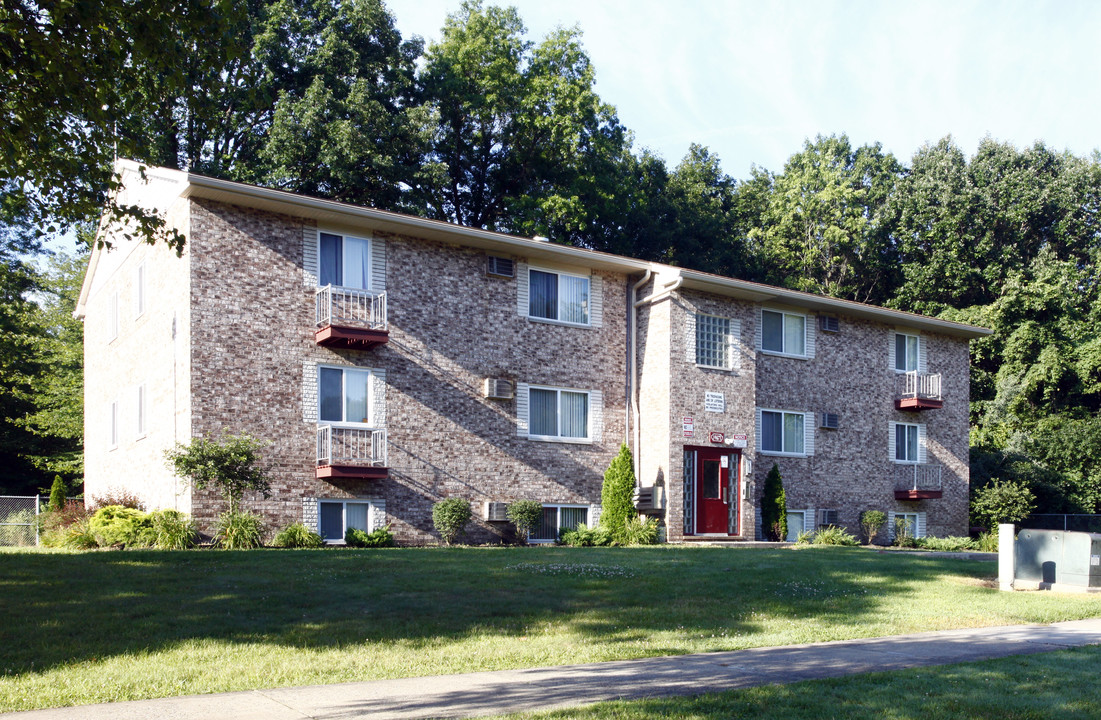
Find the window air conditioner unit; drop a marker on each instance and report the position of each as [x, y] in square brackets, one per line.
[499, 389]
[828, 421]
[827, 517]
[501, 267]
[829, 323]
[495, 512]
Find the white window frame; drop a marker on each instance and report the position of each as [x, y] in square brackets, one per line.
[803, 513]
[113, 316]
[917, 443]
[917, 359]
[558, 518]
[558, 311]
[344, 422]
[558, 415]
[726, 340]
[782, 453]
[113, 426]
[139, 291]
[783, 333]
[142, 418]
[918, 527]
[344, 503]
[370, 258]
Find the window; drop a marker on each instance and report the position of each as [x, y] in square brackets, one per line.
[907, 352]
[911, 524]
[139, 291]
[713, 342]
[554, 413]
[783, 333]
[557, 296]
[782, 432]
[906, 443]
[113, 426]
[345, 261]
[557, 518]
[797, 522]
[141, 415]
[113, 316]
[344, 395]
[335, 517]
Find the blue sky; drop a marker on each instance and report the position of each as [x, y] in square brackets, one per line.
[753, 80]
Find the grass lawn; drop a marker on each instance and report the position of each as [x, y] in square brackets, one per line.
[106, 626]
[1053, 685]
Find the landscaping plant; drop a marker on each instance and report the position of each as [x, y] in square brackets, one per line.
[617, 494]
[450, 517]
[774, 508]
[871, 522]
[382, 537]
[229, 464]
[525, 515]
[637, 531]
[57, 495]
[1001, 502]
[585, 536]
[117, 526]
[238, 530]
[297, 535]
[904, 532]
[834, 535]
[172, 530]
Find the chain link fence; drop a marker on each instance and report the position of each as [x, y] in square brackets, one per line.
[1066, 523]
[19, 520]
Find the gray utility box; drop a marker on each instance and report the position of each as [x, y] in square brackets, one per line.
[1057, 556]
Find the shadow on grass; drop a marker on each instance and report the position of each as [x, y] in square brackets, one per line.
[65, 608]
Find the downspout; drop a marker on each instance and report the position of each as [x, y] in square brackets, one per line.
[665, 291]
[632, 376]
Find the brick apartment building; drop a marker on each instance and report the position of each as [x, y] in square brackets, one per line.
[393, 361]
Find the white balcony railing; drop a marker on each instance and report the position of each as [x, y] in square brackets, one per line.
[344, 306]
[923, 477]
[359, 446]
[919, 386]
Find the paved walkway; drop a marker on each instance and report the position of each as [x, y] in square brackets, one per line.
[453, 696]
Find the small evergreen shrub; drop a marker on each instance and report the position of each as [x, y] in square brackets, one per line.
[834, 535]
[118, 526]
[637, 531]
[172, 530]
[617, 493]
[871, 522]
[382, 537]
[946, 544]
[525, 515]
[774, 508]
[57, 495]
[239, 530]
[451, 516]
[297, 535]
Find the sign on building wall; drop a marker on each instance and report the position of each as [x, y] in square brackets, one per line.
[714, 402]
[739, 440]
[689, 427]
[716, 437]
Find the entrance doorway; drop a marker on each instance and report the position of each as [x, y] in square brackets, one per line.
[716, 490]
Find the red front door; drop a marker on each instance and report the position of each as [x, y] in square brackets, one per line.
[715, 492]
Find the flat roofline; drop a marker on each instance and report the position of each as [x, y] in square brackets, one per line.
[322, 210]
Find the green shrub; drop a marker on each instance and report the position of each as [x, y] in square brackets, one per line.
[240, 530]
[805, 537]
[451, 516]
[172, 530]
[637, 531]
[946, 544]
[57, 494]
[834, 535]
[1002, 502]
[774, 507]
[118, 526]
[871, 522]
[297, 535]
[617, 493]
[904, 532]
[525, 515]
[987, 542]
[585, 536]
[381, 537]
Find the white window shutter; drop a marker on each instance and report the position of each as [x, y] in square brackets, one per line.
[758, 332]
[921, 443]
[309, 392]
[757, 429]
[808, 434]
[891, 449]
[891, 351]
[810, 520]
[378, 398]
[596, 415]
[810, 325]
[921, 354]
[378, 265]
[522, 409]
[890, 525]
[596, 301]
[522, 290]
[690, 338]
[919, 531]
[311, 274]
[735, 344]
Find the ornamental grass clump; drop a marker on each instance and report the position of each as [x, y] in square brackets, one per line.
[173, 530]
[450, 517]
[240, 530]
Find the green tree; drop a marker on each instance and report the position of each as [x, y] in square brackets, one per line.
[525, 515]
[230, 465]
[774, 509]
[57, 494]
[450, 517]
[617, 493]
[1001, 502]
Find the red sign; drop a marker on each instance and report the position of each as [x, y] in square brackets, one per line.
[716, 437]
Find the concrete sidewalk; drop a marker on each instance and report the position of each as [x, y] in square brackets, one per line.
[486, 693]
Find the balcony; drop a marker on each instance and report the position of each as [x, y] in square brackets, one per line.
[918, 481]
[350, 319]
[918, 391]
[351, 452]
